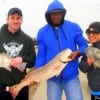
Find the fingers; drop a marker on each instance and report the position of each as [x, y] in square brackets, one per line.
[16, 61]
[90, 61]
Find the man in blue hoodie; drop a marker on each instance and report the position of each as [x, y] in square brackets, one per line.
[54, 37]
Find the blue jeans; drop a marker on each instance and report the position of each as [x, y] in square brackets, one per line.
[71, 88]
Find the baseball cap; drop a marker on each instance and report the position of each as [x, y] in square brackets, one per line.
[95, 26]
[14, 10]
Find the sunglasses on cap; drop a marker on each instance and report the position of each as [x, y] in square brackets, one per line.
[94, 31]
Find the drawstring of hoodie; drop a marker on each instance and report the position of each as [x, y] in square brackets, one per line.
[64, 33]
[56, 33]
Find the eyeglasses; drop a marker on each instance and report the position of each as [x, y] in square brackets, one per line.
[88, 31]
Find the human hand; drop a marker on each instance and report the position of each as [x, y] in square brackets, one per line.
[14, 90]
[73, 55]
[15, 62]
[90, 61]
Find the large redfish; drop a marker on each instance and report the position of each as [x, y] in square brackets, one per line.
[49, 70]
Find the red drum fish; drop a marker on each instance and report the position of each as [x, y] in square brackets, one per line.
[49, 70]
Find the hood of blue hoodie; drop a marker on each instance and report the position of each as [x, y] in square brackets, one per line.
[53, 7]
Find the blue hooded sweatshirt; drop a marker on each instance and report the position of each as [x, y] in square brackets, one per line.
[70, 36]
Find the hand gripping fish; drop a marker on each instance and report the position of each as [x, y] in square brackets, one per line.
[49, 70]
[5, 62]
[93, 52]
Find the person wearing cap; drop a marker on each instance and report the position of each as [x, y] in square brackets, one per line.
[57, 35]
[87, 62]
[20, 48]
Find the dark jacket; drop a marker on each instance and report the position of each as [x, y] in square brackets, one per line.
[93, 74]
[18, 44]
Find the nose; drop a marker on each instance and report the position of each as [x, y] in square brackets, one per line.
[15, 20]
